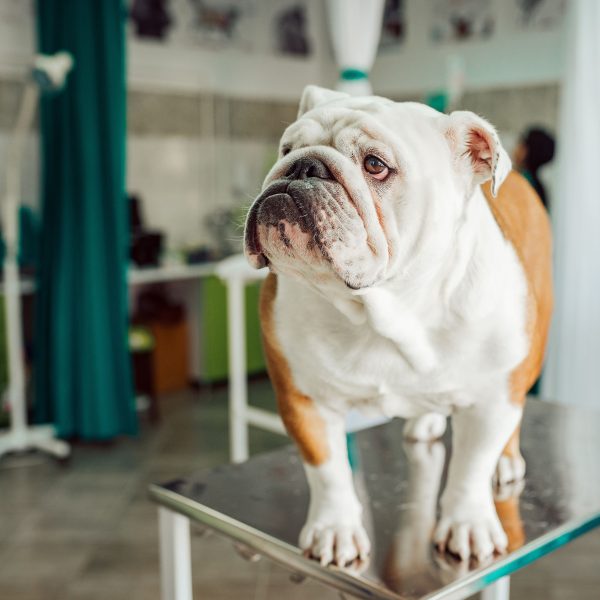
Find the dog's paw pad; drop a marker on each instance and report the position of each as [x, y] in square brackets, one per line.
[340, 544]
[425, 428]
[510, 469]
[474, 536]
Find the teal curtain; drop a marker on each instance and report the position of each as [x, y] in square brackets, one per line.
[82, 367]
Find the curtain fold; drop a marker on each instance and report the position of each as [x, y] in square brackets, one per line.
[355, 28]
[82, 365]
[572, 373]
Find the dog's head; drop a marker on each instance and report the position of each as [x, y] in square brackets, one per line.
[364, 186]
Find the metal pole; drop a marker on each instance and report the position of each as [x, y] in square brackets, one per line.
[175, 555]
[238, 389]
[499, 590]
[12, 294]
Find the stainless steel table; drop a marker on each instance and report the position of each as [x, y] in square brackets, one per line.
[262, 504]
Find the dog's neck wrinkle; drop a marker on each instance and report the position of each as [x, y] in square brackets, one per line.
[452, 279]
[341, 297]
[470, 251]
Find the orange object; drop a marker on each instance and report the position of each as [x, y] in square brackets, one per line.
[170, 356]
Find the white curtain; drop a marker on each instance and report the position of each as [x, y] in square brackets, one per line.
[572, 373]
[355, 27]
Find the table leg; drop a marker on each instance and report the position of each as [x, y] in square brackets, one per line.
[238, 392]
[499, 590]
[175, 556]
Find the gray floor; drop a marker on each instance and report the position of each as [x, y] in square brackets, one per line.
[86, 530]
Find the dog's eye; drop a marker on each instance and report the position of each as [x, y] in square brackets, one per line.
[376, 167]
[285, 150]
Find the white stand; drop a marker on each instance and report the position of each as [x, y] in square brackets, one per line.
[20, 437]
[40, 437]
[499, 590]
[175, 555]
[236, 273]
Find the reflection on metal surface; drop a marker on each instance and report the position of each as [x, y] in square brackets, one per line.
[263, 502]
[246, 552]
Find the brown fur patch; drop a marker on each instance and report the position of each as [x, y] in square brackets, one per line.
[298, 412]
[524, 222]
[510, 518]
[512, 446]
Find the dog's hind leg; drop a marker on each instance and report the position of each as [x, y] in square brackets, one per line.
[426, 428]
[511, 464]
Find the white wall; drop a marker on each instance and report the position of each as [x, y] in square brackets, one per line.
[17, 42]
[252, 72]
[184, 65]
[510, 57]
[183, 179]
[17, 36]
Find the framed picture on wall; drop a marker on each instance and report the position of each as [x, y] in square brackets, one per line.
[461, 20]
[290, 28]
[215, 24]
[539, 14]
[223, 22]
[393, 27]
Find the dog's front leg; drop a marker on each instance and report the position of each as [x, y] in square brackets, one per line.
[334, 530]
[469, 524]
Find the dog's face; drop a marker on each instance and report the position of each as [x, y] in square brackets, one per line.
[366, 188]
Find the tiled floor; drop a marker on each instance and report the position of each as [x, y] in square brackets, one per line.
[86, 530]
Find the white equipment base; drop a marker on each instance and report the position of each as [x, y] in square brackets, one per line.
[41, 437]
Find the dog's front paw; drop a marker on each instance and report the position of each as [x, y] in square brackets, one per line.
[470, 529]
[335, 540]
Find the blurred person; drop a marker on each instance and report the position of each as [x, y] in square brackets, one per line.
[535, 149]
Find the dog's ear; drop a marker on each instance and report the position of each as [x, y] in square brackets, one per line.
[477, 148]
[314, 95]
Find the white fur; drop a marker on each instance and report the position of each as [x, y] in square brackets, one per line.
[438, 325]
[426, 428]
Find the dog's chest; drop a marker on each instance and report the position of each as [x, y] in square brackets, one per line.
[403, 365]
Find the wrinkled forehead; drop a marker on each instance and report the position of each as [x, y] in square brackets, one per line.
[408, 130]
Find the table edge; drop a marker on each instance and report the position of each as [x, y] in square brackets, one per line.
[285, 554]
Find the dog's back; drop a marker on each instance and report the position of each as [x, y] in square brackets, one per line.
[524, 222]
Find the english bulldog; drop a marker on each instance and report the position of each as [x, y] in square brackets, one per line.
[411, 275]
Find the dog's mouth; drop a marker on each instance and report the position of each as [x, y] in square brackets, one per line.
[309, 226]
[276, 208]
[300, 218]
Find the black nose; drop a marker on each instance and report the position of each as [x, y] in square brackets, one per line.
[308, 167]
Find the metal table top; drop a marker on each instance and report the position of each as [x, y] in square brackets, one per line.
[262, 504]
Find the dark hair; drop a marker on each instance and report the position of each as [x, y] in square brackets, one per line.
[540, 148]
